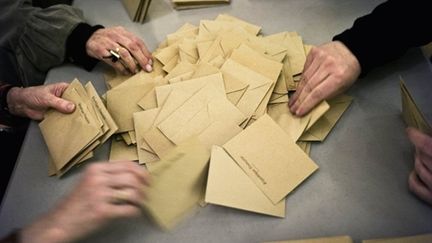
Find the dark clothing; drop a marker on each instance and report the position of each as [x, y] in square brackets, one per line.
[33, 40]
[42, 38]
[388, 32]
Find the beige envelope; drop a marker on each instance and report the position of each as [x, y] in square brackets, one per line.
[171, 64]
[184, 113]
[257, 62]
[199, 119]
[426, 238]
[106, 116]
[189, 31]
[258, 85]
[189, 87]
[270, 158]
[143, 121]
[188, 52]
[178, 183]
[335, 239]
[121, 151]
[295, 126]
[305, 146]
[323, 126]
[165, 55]
[122, 103]
[228, 185]
[66, 135]
[251, 28]
[218, 133]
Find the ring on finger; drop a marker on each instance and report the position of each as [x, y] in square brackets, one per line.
[120, 197]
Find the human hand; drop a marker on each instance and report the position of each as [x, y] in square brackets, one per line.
[32, 102]
[106, 191]
[328, 71]
[420, 179]
[132, 50]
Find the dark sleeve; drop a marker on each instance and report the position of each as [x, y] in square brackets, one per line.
[76, 45]
[11, 238]
[388, 32]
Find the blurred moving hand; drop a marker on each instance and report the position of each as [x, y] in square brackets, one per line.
[131, 49]
[420, 179]
[329, 70]
[106, 191]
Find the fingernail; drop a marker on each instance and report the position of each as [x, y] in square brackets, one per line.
[150, 61]
[70, 107]
[148, 68]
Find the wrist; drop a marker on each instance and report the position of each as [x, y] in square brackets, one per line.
[46, 229]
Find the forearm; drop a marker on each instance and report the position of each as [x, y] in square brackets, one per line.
[6, 117]
[387, 32]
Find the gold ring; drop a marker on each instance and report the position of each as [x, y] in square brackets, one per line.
[120, 197]
[115, 55]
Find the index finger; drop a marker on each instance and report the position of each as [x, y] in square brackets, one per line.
[422, 141]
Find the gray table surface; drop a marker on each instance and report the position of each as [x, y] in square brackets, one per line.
[360, 189]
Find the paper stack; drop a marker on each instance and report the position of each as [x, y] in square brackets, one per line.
[220, 91]
[71, 138]
[189, 4]
[137, 9]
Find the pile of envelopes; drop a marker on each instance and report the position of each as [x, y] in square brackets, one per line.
[71, 138]
[189, 4]
[346, 239]
[137, 9]
[211, 122]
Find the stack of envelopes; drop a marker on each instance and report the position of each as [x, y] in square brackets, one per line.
[71, 138]
[219, 89]
[189, 4]
[137, 9]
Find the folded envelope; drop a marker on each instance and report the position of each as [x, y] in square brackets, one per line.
[191, 118]
[296, 126]
[257, 85]
[334, 239]
[228, 185]
[323, 126]
[122, 103]
[257, 62]
[184, 113]
[121, 151]
[426, 238]
[251, 28]
[143, 121]
[270, 158]
[178, 183]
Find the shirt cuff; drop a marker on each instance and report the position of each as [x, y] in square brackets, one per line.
[76, 45]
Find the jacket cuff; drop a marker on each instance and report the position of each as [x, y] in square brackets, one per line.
[76, 46]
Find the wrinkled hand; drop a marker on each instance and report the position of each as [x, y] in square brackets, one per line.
[133, 52]
[107, 191]
[329, 70]
[420, 179]
[32, 102]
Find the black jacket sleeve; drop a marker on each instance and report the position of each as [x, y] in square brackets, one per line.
[388, 32]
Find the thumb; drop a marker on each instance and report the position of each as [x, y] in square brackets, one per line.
[62, 105]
